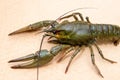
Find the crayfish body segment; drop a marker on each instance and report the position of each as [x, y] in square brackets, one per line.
[77, 33]
[73, 36]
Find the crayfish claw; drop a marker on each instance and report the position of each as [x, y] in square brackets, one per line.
[34, 60]
[24, 29]
[24, 65]
[24, 58]
[33, 27]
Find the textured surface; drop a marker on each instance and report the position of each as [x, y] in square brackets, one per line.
[15, 14]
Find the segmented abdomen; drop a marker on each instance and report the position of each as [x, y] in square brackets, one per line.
[104, 31]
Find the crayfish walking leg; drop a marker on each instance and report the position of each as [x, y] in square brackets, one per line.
[74, 15]
[100, 52]
[74, 54]
[65, 53]
[93, 61]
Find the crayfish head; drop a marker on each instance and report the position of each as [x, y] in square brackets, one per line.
[59, 34]
[35, 60]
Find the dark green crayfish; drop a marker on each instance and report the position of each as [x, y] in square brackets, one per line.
[69, 36]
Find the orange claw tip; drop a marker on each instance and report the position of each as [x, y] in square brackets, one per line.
[15, 67]
[11, 34]
[11, 61]
[15, 60]
[24, 29]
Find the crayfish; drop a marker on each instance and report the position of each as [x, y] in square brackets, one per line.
[69, 36]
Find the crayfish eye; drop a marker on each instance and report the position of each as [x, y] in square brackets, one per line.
[55, 32]
[59, 32]
[54, 24]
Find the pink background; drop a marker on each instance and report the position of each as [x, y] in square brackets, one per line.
[15, 14]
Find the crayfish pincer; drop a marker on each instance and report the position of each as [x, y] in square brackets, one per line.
[45, 57]
[34, 27]
[69, 36]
